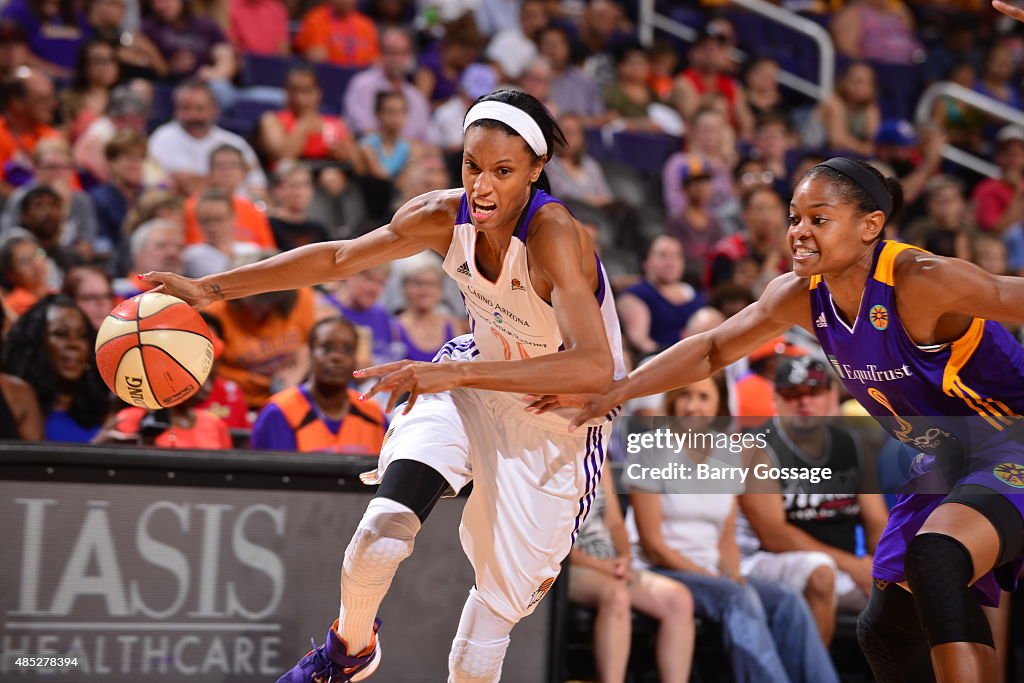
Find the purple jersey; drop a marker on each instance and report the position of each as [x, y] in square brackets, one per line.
[952, 402]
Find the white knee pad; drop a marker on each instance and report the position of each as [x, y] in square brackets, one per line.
[480, 644]
[384, 538]
[473, 661]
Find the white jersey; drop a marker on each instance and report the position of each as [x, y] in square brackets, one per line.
[509, 320]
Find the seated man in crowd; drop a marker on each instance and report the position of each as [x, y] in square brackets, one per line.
[156, 245]
[182, 147]
[820, 518]
[228, 169]
[27, 106]
[323, 413]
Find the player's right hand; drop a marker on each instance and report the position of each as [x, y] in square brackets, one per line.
[598, 406]
[186, 289]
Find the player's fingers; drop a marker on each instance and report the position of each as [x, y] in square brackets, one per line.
[374, 390]
[1009, 10]
[582, 417]
[541, 404]
[380, 370]
[411, 401]
[398, 388]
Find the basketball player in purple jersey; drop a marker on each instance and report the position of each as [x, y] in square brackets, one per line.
[912, 337]
[542, 323]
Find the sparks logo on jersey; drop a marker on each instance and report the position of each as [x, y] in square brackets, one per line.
[464, 269]
[821, 322]
[516, 284]
[879, 317]
[497, 318]
[541, 591]
[1010, 473]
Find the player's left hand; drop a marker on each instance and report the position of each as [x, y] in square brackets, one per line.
[414, 377]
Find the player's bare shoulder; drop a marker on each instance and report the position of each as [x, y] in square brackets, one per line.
[557, 241]
[787, 299]
[429, 218]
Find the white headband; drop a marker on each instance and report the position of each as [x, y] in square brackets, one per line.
[513, 117]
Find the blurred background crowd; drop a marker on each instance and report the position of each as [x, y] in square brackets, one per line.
[197, 135]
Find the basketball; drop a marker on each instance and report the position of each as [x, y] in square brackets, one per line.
[154, 351]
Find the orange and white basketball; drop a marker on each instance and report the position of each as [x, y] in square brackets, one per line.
[154, 351]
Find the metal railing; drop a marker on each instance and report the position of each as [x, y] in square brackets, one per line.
[650, 19]
[989, 105]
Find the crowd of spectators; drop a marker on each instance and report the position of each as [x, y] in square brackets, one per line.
[198, 136]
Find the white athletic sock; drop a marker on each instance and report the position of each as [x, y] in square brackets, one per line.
[382, 540]
[480, 644]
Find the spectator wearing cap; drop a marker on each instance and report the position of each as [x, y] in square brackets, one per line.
[791, 536]
[391, 73]
[137, 55]
[125, 156]
[128, 108]
[999, 202]
[515, 46]
[947, 228]
[338, 33]
[259, 27]
[655, 310]
[14, 52]
[572, 91]
[55, 32]
[476, 81]
[913, 159]
[323, 414]
[301, 131]
[54, 169]
[183, 147]
[706, 80]
[27, 106]
[753, 390]
[696, 226]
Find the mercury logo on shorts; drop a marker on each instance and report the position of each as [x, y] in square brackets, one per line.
[1010, 473]
[541, 591]
[879, 317]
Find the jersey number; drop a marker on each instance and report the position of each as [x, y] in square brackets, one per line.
[508, 347]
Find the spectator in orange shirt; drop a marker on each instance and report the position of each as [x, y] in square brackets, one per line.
[265, 341]
[27, 105]
[228, 170]
[259, 26]
[181, 426]
[325, 413]
[335, 32]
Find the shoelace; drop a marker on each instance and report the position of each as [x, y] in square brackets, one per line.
[320, 658]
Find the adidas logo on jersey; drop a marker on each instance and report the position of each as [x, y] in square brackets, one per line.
[464, 269]
[821, 322]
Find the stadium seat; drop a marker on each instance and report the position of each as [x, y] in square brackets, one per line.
[644, 152]
[266, 70]
[247, 112]
[334, 80]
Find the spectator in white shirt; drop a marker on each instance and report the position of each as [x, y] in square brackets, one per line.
[476, 81]
[182, 147]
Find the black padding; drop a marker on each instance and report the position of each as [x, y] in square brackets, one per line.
[891, 637]
[939, 570]
[413, 484]
[998, 510]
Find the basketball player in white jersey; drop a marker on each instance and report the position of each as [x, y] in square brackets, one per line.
[543, 322]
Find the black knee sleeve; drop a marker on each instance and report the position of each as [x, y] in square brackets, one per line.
[939, 570]
[413, 484]
[891, 637]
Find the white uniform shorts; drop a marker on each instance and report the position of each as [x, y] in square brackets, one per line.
[533, 485]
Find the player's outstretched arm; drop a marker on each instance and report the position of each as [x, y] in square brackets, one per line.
[424, 222]
[785, 303]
